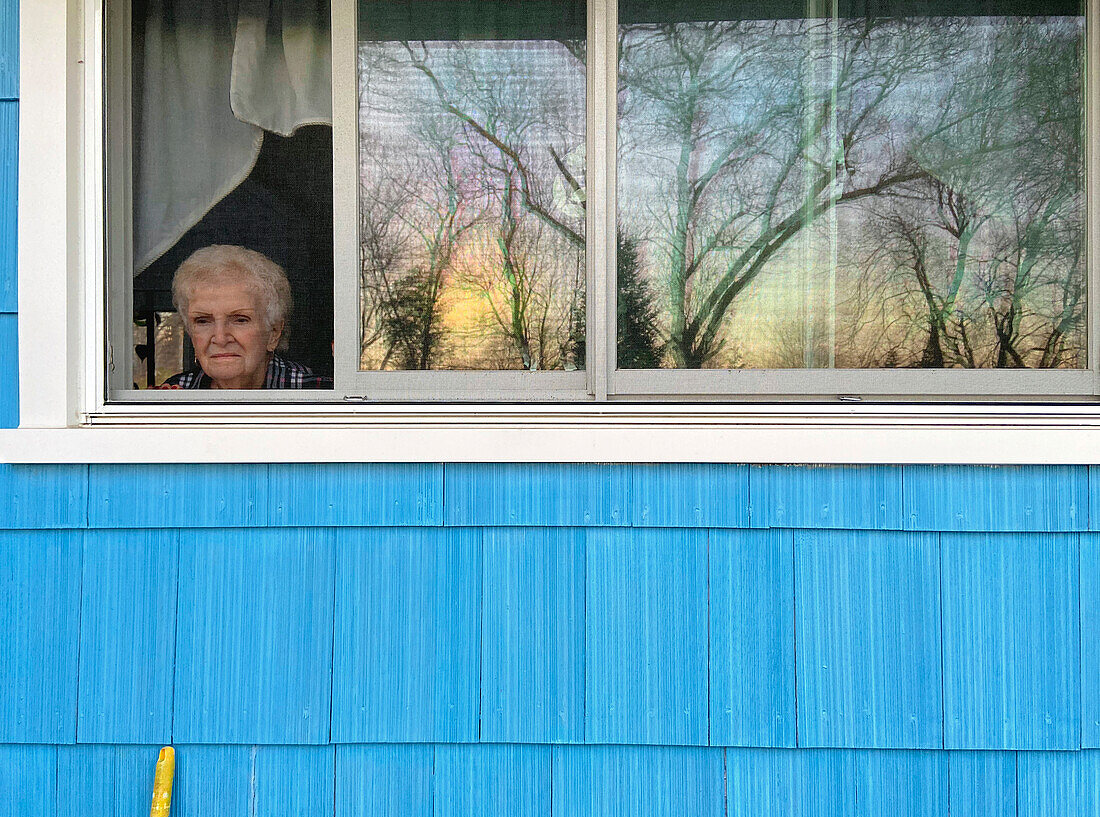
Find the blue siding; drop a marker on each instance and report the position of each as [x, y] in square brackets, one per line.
[868, 624]
[9, 49]
[532, 653]
[1011, 643]
[1090, 641]
[983, 784]
[356, 494]
[9, 371]
[1059, 783]
[43, 496]
[491, 781]
[177, 496]
[615, 781]
[28, 781]
[520, 494]
[127, 636]
[407, 653]
[106, 781]
[1008, 498]
[255, 624]
[39, 619]
[646, 654]
[384, 779]
[293, 781]
[787, 496]
[904, 784]
[690, 495]
[211, 780]
[9, 171]
[751, 580]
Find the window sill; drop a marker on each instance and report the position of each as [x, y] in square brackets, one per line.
[774, 434]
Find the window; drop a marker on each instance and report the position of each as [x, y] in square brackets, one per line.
[738, 204]
[808, 201]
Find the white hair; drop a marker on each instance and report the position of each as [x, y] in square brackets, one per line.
[219, 263]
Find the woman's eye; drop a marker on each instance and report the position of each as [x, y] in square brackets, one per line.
[241, 319]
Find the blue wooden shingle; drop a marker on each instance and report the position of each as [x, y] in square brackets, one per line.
[996, 498]
[368, 494]
[491, 781]
[752, 667]
[1059, 784]
[903, 784]
[646, 653]
[9, 174]
[106, 780]
[766, 783]
[211, 780]
[868, 639]
[9, 371]
[865, 496]
[177, 495]
[536, 494]
[640, 781]
[127, 636]
[983, 784]
[43, 496]
[1090, 641]
[532, 645]
[293, 781]
[407, 655]
[1011, 641]
[9, 49]
[689, 495]
[254, 644]
[39, 620]
[380, 780]
[28, 781]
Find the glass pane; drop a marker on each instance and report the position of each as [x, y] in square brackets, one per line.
[472, 185]
[862, 188]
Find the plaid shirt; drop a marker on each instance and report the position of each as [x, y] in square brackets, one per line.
[281, 374]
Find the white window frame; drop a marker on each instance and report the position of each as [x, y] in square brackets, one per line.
[64, 418]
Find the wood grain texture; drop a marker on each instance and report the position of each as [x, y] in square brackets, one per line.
[640, 781]
[28, 781]
[293, 781]
[646, 634]
[532, 645]
[40, 622]
[1090, 641]
[9, 371]
[752, 665]
[996, 498]
[689, 495]
[127, 636]
[384, 780]
[407, 652]
[868, 631]
[536, 494]
[9, 172]
[9, 49]
[178, 496]
[106, 781]
[347, 494]
[43, 496]
[1010, 655]
[491, 781]
[211, 780]
[792, 496]
[254, 644]
[903, 784]
[983, 784]
[1059, 784]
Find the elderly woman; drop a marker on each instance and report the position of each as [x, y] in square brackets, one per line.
[235, 303]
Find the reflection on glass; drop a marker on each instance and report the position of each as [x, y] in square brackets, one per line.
[472, 187]
[853, 193]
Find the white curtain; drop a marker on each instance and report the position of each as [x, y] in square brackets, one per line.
[215, 75]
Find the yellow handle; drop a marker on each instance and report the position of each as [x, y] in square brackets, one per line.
[162, 783]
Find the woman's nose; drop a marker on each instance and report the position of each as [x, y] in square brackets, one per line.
[221, 335]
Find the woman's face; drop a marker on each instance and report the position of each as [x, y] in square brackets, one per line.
[229, 331]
